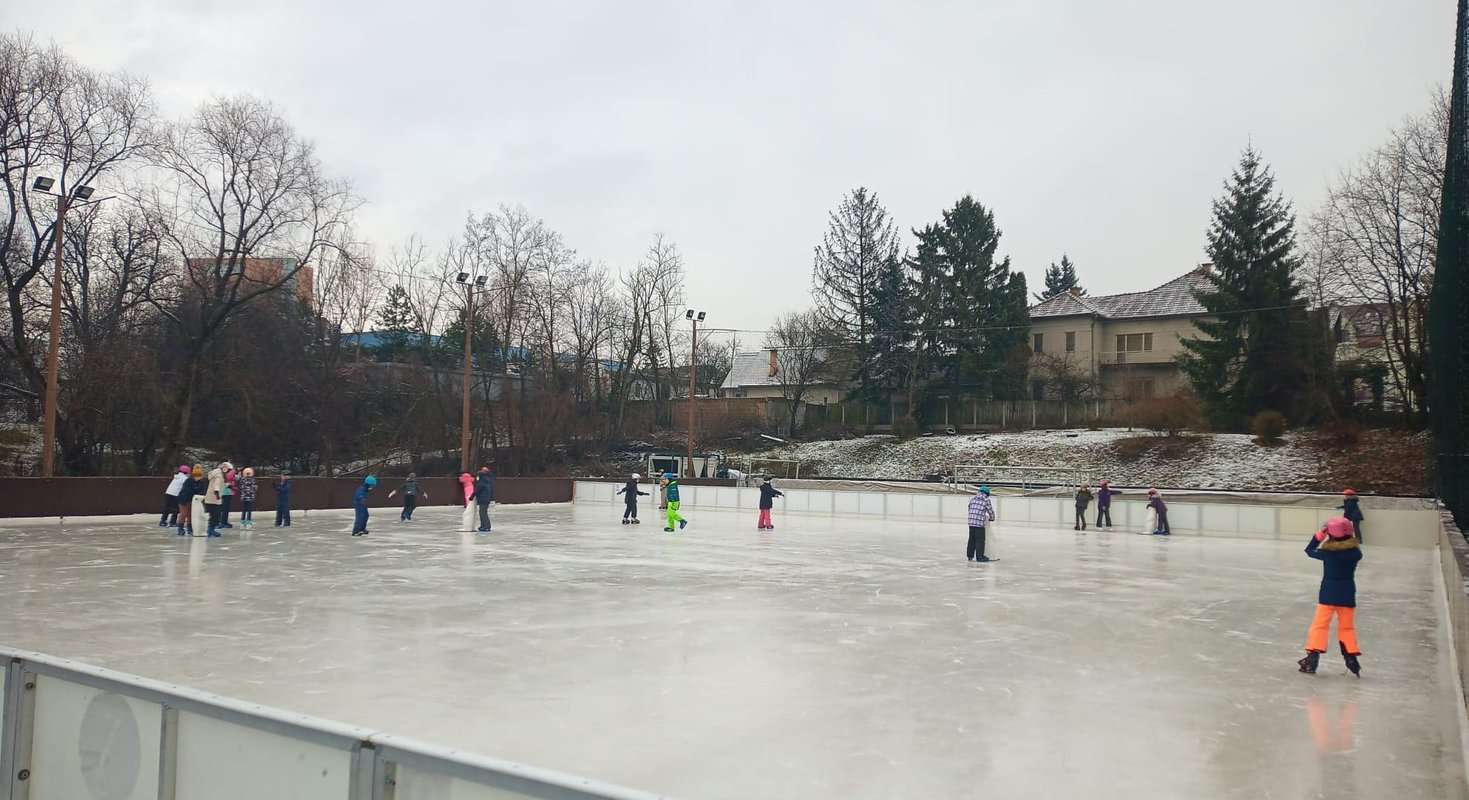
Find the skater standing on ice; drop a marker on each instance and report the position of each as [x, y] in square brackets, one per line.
[981, 513]
[466, 521]
[410, 492]
[283, 501]
[484, 495]
[227, 494]
[249, 489]
[359, 505]
[768, 493]
[1338, 551]
[213, 498]
[170, 516]
[189, 491]
[670, 491]
[1083, 501]
[1352, 509]
[630, 513]
[1155, 502]
[1104, 504]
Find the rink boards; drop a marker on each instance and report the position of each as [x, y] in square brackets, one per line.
[1417, 528]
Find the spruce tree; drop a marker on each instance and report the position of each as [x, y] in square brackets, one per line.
[861, 242]
[397, 321]
[1251, 356]
[1060, 278]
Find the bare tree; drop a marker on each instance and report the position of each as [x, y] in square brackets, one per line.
[589, 312]
[800, 346]
[1376, 238]
[237, 185]
[1065, 378]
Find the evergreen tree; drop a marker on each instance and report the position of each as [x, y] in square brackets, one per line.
[397, 322]
[487, 351]
[1251, 356]
[860, 244]
[894, 322]
[1060, 278]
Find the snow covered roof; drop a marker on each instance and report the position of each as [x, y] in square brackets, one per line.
[753, 369]
[1173, 299]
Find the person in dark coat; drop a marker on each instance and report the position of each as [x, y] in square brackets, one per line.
[768, 493]
[1339, 552]
[1155, 502]
[1351, 508]
[484, 495]
[410, 492]
[283, 501]
[1104, 503]
[359, 505]
[1083, 502]
[187, 490]
[630, 512]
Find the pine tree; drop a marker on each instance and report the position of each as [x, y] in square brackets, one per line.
[1060, 278]
[398, 323]
[1251, 356]
[861, 242]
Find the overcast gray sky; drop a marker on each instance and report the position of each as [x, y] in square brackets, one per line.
[1101, 129]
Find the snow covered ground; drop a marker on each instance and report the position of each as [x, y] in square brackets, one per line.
[1210, 461]
[833, 658]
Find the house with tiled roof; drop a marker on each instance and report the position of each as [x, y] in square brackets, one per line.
[757, 374]
[1119, 345]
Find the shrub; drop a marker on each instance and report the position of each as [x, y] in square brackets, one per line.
[1268, 427]
[1169, 416]
[905, 427]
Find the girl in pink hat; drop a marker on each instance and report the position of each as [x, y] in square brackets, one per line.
[1338, 551]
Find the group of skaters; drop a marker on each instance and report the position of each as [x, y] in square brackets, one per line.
[668, 489]
[195, 497]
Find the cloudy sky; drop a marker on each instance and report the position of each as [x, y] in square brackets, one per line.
[1101, 129]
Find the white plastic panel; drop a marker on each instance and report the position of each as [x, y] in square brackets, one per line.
[749, 498]
[1221, 518]
[795, 500]
[822, 502]
[93, 744]
[956, 508]
[417, 784]
[846, 503]
[1298, 522]
[927, 506]
[726, 497]
[1184, 516]
[1256, 519]
[223, 761]
[871, 503]
[900, 506]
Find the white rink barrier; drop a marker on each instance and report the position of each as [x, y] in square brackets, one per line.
[70, 731]
[1402, 528]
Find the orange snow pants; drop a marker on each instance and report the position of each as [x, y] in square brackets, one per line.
[1346, 629]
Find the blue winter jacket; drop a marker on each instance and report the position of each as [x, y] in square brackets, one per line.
[484, 489]
[359, 498]
[1338, 570]
[671, 492]
[1352, 509]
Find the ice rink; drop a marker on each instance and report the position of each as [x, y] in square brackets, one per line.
[831, 658]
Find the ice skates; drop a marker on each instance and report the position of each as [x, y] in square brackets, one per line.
[1351, 658]
[1308, 664]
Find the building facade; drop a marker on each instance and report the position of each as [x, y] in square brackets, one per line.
[1120, 346]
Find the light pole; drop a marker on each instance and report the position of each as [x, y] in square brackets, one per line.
[694, 317]
[478, 283]
[80, 195]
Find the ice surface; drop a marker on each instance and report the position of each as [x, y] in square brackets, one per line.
[830, 658]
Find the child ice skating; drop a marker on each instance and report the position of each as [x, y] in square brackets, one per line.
[170, 516]
[410, 492]
[1339, 552]
[768, 493]
[1104, 503]
[249, 489]
[213, 499]
[1155, 502]
[670, 491]
[981, 514]
[1083, 501]
[630, 512]
[359, 505]
[189, 496]
[227, 494]
[466, 521]
[484, 495]
[283, 501]
[1351, 508]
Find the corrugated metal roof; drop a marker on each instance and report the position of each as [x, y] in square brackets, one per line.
[1172, 299]
[753, 369]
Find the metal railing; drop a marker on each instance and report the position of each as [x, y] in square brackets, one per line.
[70, 730]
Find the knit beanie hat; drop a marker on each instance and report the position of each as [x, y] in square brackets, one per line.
[1349, 492]
[370, 480]
[1335, 528]
[984, 490]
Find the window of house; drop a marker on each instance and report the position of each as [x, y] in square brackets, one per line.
[1037, 389]
[1071, 341]
[1039, 339]
[1134, 342]
[1138, 389]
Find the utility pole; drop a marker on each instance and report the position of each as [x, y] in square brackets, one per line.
[53, 349]
[468, 360]
[693, 372]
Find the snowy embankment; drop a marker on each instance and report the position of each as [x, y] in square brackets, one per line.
[1205, 461]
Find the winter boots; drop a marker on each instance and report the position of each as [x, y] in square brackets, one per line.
[1351, 658]
[1308, 664]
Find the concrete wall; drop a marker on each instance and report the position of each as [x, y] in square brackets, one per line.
[1400, 528]
[1453, 551]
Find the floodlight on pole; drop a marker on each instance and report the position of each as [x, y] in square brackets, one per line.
[463, 277]
[701, 316]
[480, 281]
[43, 184]
[689, 314]
[693, 373]
[82, 193]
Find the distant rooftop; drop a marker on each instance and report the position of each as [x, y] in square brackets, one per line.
[1173, 299]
